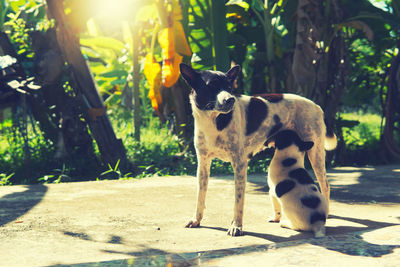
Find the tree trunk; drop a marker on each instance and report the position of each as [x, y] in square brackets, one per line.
[111, 148]
[181, 97]
[218, 28]
[136, 75]
[305, 58]
[73, 138]
[39, 110]
[392, 110]
[319, 67]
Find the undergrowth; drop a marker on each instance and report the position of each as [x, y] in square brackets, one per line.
[159, 152]
[362, 141]
[366, 133]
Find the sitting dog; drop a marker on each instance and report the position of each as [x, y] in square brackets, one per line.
[234, 128]
[293, 193]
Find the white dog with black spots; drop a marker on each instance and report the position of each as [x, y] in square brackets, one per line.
[233, 128]
[297, 203]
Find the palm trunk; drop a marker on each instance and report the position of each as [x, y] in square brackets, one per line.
[391, 110]
[112, 150]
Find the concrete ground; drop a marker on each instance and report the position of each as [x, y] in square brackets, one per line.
[140, 223]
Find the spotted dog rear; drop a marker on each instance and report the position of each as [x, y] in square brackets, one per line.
[293, 193]
[234, 128]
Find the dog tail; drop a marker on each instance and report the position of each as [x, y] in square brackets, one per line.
[330, 142]
[330, 139]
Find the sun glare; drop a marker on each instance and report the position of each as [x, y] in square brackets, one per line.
[114, 10]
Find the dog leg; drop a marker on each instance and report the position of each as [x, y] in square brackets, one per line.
[203, 174]
[240, 169]
[276, 207]
[317, 159]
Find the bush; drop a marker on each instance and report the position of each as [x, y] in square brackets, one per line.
[362, 142]
[160, 152]
[31, 159]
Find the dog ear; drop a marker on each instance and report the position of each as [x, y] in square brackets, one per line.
[283, 139]
[189, 74]
[270, 142]
[233, 73]
[304, 146]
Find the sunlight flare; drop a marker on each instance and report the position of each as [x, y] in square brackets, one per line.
[114, 10]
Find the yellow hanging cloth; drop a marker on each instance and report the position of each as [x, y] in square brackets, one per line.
[152, 71]
[171, 59]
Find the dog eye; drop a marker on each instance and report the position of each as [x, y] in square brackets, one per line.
[214, 84]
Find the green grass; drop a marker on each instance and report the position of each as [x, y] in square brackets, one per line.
[362, 142]
[39, 165]
[160, 152]
[366, 133]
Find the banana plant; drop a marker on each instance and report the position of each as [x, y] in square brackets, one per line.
[260, 40]
[110, 60]
[3, 14]
[117, 63]
[207, 34]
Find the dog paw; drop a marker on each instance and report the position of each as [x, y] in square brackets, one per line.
[192, 224]
[319, 233]
[274, 220]
[286, 224]
[235, 231]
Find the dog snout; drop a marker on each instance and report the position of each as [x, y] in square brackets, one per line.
[229, 102]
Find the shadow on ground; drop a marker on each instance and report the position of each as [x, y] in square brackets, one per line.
[347, 244]
[17, 204]
[379, 184]
[331, 230]
[366, 185]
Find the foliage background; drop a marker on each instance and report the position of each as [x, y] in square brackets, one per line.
[259, 36]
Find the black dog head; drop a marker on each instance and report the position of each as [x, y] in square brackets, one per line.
[212, 90]
[286, 138]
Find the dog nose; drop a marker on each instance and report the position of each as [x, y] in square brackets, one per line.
[230, 101]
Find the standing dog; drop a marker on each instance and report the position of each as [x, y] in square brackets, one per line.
[234, 128]
[293, 193]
